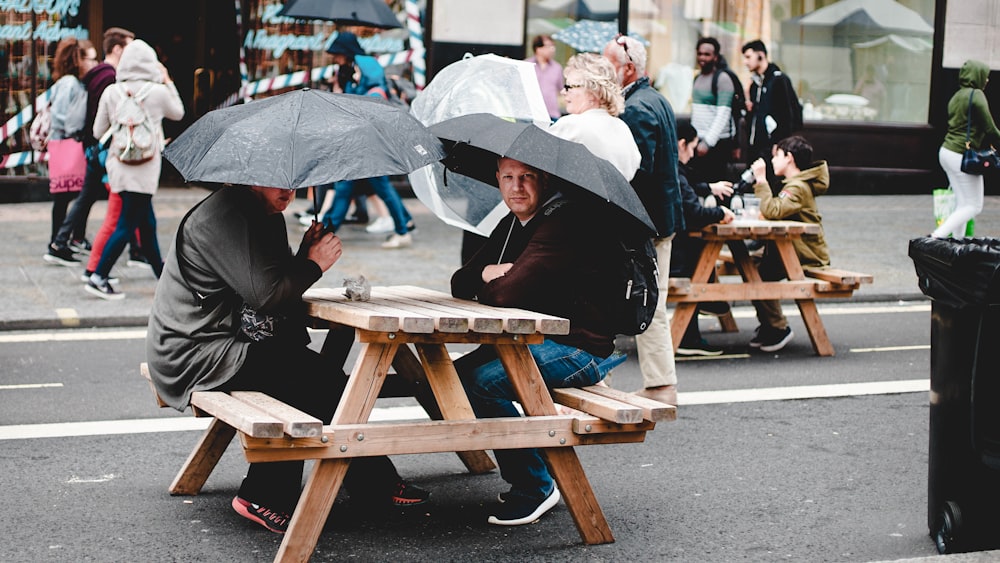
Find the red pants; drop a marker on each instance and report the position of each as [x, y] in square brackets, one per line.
[107, 227]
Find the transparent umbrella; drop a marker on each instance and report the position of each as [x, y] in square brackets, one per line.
[590, 36]
[482, 84]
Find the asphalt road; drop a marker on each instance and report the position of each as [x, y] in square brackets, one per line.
[735, 478]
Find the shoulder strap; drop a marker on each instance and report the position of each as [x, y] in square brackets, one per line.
[968, 122]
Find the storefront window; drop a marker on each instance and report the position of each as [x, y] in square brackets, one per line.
[850, 60]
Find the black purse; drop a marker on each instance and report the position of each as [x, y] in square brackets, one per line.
[974, 161]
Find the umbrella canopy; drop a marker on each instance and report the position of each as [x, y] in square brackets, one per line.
[475, 141]
[589, 36]
[303, 138]
[481, 84]
[369, 13]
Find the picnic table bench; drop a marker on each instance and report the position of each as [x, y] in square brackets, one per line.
[823, 283]
[408, 328]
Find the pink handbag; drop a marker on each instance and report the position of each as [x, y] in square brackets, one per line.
[67, 165]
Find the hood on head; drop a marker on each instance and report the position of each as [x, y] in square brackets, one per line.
[139, 62]
[817, 177]
[973, 74]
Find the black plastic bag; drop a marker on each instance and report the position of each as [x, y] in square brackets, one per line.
[959, 272]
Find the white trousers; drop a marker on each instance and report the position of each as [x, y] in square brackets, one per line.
[968, 190]
[655, 347]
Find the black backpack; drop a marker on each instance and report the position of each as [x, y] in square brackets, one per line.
[637, 285]
[739, 105]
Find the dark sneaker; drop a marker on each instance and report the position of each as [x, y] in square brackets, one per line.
[701, 348]
[103, 290]
[81, 246]
[356, 220]
[776, 339]
[755, 341]
[61, 255]
[408, 495]
[713, 308]
[277, 522]
[516, 509]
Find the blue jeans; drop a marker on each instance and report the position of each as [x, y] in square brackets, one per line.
[492, 396]
[137, 213]
[344, 192]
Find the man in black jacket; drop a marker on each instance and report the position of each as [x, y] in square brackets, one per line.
[773, 109]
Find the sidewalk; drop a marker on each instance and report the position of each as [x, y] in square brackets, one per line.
[865, 233]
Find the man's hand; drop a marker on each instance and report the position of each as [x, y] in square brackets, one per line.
[721, 188]
[321, 247]
[494, 271]
[728, 216]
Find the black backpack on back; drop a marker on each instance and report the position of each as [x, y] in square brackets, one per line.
[739, 104]
[638, 285]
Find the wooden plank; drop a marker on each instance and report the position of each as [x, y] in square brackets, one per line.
[297, 424]
[790, 289]
[203, 459]
[444, 320]
[479, 320]
[578, 496]
[843, 277]
[311, 512]
[245, 418]
[367, 336]
[365, 382]
[546, 324]
[597, 405]
[814, 326]
[437, 436]
[144, 370]
[322, 303]
[654, 411]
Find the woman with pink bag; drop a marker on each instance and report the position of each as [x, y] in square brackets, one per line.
[68, 110]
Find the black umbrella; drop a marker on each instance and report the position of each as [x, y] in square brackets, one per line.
[369, 13]
[474, 142]
[303, 138]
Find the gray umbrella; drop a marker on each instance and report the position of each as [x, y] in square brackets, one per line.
[370, 13]
[475, 141]
[303, 138]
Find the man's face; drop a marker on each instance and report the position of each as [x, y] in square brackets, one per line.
[622, 72]
[755, 61]
[707, 57]
[275, 200]
[521, 186]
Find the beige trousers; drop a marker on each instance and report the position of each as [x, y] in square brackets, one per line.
[655, 347]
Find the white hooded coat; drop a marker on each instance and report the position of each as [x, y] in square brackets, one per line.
[138, 66]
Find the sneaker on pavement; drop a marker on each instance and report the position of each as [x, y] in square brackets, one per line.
[702, 348]
[101, 288]
[776, 339]
[137, 261]
[397, 240]
[356, 220]
[755, 341]
[277, 522]
[381, 225]
[664, 394]
[81, 246]
[411, 227]
[713, 308]
[517, 509]
[61, 255]
[406, 494]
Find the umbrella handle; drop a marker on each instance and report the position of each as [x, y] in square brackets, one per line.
[312, 196]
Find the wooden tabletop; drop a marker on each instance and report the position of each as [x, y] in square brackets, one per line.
[412, 309]
[761, 228]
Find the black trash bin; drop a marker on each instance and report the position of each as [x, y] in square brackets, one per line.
[962, 277]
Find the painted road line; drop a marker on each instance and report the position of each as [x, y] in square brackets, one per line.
[68, 336]
[893, 348]
[390, 414]
[29, 386]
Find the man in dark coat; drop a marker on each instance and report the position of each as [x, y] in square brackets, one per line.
[545, 256]
[651, 119]
[773, 109]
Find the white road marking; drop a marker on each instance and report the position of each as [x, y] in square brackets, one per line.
[29, 386]
[391, 414]
[893, 348]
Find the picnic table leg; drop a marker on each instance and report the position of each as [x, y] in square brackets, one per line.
[203, 459]
[807, 307]
[450, 397]
[563, 462]
[313, 509]
[683, 312]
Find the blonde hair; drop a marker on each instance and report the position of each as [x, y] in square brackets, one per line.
[598, 77]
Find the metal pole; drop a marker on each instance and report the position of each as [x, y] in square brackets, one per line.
[623, 17]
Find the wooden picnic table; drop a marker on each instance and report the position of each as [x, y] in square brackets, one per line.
[386, 326]
[687, 293]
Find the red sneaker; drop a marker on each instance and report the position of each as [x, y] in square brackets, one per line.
[277, 522]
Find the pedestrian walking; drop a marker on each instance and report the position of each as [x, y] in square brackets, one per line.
[549, 73]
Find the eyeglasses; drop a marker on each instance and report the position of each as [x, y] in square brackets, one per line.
[568, 87]
[620, 39]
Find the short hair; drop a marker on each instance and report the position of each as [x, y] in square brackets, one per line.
[539, 41]
[66, 61]
[755, 45]
[627, 49]
[686, 132]
[599, 78]
[799, 148]
[116, 36]
[710, 41]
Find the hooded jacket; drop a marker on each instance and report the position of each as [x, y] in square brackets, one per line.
[983, 131]
[772, 95]
[138, 67]
[797, 202]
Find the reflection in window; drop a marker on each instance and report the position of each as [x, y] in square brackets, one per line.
[855, 60]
